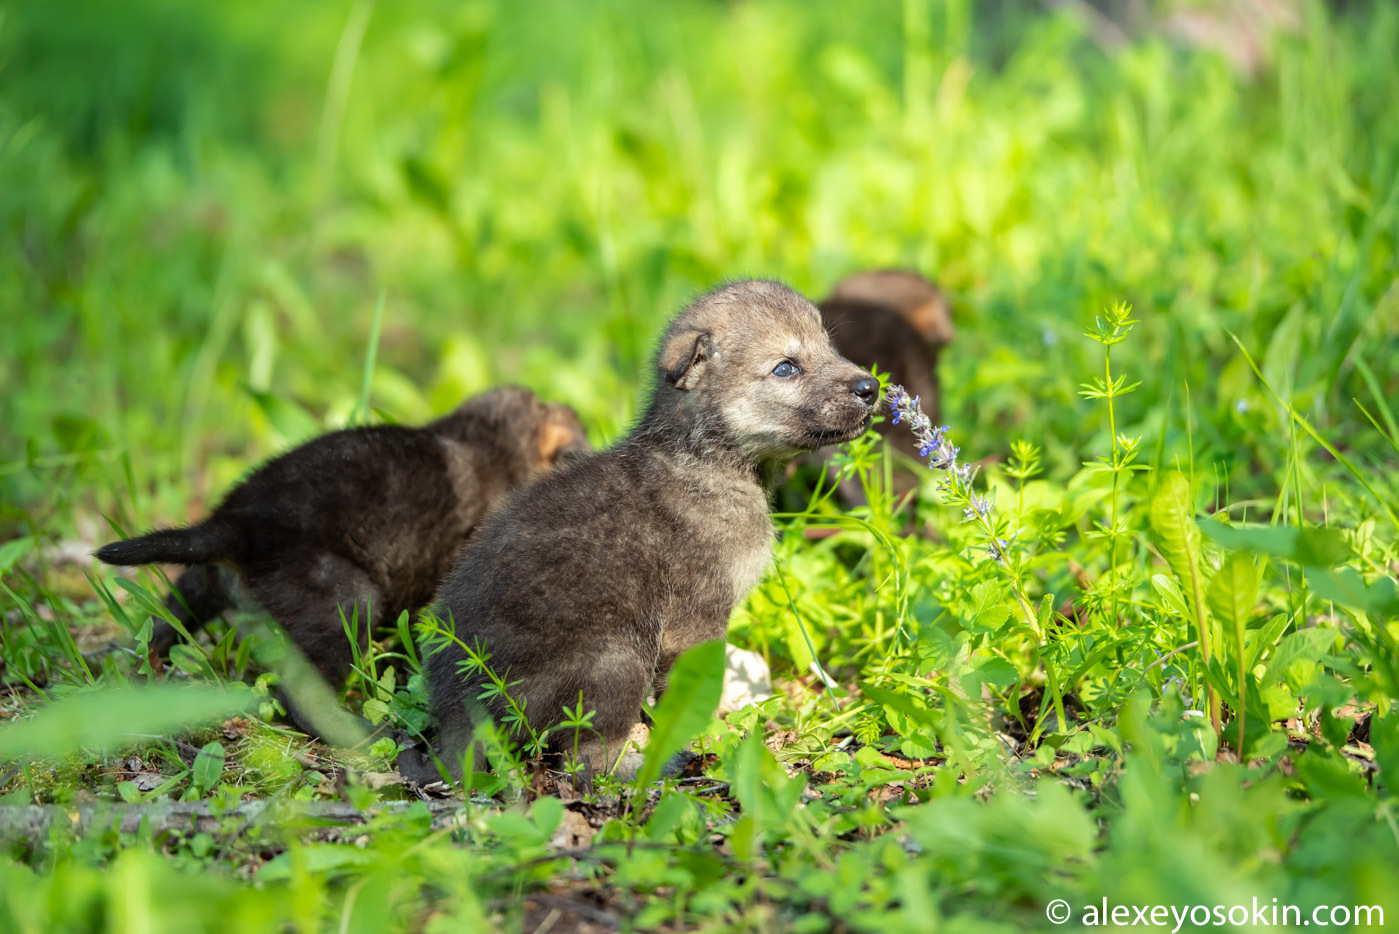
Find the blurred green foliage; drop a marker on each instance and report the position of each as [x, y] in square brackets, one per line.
[202, 205]
[205, 203]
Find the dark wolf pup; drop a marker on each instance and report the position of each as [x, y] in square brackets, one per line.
[591, 581]
[364, 520]
[898, 321]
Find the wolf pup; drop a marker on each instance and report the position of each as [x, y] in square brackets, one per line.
[898, 321]
[591, 581]
[365, 520]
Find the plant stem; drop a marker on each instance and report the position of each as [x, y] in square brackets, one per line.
[1116, 479]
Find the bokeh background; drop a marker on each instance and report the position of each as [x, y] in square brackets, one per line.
[201, 206]
[205, 208]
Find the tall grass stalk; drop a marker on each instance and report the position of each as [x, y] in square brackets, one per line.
[360, 413]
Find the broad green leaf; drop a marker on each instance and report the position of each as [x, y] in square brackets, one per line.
[1346, 587]
[920, 745]
[1281, 702]
[328, 858]
[837, 761]
[1304, 645]
[1177, 534]
[1231, 595]
[742, 836]
[988, 610]
[1178, 537]
[1233, 591]
[1312, 547]
[669, 813]
[693, 689]
[1384, 737]
[106, 720]
[760, 783]
[1197, 740]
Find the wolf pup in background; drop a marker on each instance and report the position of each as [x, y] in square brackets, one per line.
[363, 521]
[898, 321]
[586, 586]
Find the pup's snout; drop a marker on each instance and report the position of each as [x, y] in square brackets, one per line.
[866, 389]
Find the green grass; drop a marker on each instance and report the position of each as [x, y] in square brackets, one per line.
[227, 227]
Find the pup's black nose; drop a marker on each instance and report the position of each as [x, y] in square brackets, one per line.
[866, 388]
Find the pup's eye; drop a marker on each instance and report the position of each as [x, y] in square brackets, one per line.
[786, 370]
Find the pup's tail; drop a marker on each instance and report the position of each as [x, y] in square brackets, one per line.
[198, 544]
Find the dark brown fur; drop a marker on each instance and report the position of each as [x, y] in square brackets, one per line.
[594, 579]
[897, 321]
[366, 519]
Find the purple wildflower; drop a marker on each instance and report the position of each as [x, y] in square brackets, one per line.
[941, 454]
[932, 441]
[977, 506]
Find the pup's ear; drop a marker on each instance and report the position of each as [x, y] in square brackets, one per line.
[561, 436]
[933, 320]
[683, 357]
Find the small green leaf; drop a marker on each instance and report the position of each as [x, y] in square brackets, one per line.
[1170, 594]
[375, 711]
[693, 689]
[187, 659]
[1266, 637]
[899, 702]
[547, 814]
[13, 550]
[994, 671]
[741, 838]
[208, 766]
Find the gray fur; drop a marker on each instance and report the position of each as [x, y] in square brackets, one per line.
[591, 581]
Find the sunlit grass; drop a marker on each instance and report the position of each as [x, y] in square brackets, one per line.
[1178, 685]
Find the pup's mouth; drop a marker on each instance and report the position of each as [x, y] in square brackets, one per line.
[822, 437]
